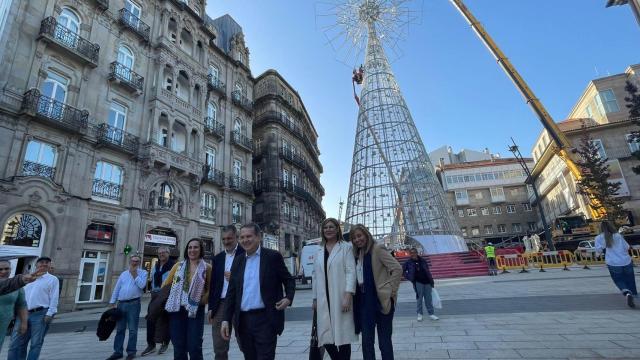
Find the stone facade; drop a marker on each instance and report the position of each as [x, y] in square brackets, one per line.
[286, 166]
[601, 114]
[489, 199]
[123, 124]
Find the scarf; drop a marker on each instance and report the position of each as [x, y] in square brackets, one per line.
[187, 294]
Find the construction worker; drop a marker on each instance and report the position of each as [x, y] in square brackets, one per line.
[490, 253]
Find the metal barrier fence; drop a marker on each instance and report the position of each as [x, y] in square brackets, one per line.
[512, 262]
[588, 257]
[556, 259]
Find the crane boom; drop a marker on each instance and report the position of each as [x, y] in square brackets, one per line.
[560, 142]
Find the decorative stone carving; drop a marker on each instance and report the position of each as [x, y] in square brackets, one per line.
[35, 199]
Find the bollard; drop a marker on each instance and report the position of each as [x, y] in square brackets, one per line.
[523, 270]
[541, 268]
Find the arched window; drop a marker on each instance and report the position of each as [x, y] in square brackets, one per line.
[208, 206]
[212, 112]
[165, 200]
[69, 20]
[125, 57]
[22, 229]
[237, 126]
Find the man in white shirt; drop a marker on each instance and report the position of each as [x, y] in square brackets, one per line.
[127, 293]
[42, 302]
[219, 284]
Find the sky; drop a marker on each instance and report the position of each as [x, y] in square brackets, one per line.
[456, 92]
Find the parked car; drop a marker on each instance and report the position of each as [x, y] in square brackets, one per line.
[586, 245]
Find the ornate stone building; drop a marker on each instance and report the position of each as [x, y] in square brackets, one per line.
[123, 124]
[286, 167]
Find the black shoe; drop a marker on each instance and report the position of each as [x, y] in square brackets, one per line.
[630, 301]
[131, 357]
[163, 349]
[115, 357]
[148, 350]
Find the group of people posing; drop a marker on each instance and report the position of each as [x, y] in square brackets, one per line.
[248, 287]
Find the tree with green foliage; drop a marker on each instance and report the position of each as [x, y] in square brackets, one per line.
[633, 104]
[595, 184]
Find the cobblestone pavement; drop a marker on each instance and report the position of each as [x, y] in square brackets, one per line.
[554, 315]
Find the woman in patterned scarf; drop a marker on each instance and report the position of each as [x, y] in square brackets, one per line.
[189, 281]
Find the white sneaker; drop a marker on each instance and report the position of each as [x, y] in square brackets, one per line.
[433, 317]
[419, 317]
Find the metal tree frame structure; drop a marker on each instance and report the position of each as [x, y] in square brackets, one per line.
[393, 188]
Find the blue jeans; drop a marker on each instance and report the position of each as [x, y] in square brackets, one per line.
[186, 334]
[384, 324]
[36, 330]
[130, 318]
[423, 291]
[624, 278]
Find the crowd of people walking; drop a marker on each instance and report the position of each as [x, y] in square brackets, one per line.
[247, 288]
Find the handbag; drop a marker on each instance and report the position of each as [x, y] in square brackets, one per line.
[315, 352]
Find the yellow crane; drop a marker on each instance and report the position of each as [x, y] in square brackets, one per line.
[559, 142]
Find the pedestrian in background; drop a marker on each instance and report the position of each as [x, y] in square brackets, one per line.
[11, 304]
[618, 260]
[127, 293]
[189, 280]
[490, 254]
[158, 328]
[378, 275]
[334, 284]
[219, 285]
[417, 271]
[42, 304]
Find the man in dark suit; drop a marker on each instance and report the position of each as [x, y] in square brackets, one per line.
[219, 286]
[255, 299]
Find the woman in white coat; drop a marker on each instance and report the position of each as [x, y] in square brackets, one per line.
[334, 283]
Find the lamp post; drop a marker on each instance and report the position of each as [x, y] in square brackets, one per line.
[635, 6]
[547, 236]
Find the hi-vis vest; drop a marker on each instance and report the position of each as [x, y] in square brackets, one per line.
[490, 251]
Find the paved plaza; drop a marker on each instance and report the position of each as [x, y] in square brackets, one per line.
[558, 314]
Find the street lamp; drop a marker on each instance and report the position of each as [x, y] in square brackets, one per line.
[516, 152]
[635, 6]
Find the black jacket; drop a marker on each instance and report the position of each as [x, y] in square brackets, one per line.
[107, 323]
[273, 277]
[217, 278]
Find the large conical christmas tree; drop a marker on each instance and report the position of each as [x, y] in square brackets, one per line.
[393, 188]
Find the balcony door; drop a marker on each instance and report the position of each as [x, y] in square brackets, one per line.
[117, 121]
[54, 90]
[68, 28]
[133, 15]
[125, 59]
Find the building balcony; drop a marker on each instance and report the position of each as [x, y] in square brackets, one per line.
[242, 140]
[130, 21]
[53, 112]
[117, 139]
[208, 214]
[106, 189]
[67, 40]
[242, 185]
[494, 199]
[277, 117]
[240, 100]
[262, 186]
[102, 4]
[214, 128]
[286, 186]
[216, 85]
[314, 203]
[293, 158]
[163, 156]
[215, 177]
[30, 168]
[126, 77]
[178, 103]
[236, 219]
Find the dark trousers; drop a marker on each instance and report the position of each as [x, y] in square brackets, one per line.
[186, 334]
[153, 334]
[257, 339]
[624, 278]
[342, 352]
[384, 324]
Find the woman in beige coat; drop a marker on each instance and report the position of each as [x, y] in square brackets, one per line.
[334, 283]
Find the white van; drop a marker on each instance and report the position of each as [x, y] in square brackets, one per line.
[307, 255]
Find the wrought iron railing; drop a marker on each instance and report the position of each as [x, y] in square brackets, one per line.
[208, 213]
[240, 184]
[125, 74]
[214, 83]
[103, 4]
[69, 39]
[165, 203]
[134, 23]
[106, 189]
[30, 168]
[111, 135]
[242, 101]
[216, 177]
[242, 140]
[45, 107]
[213, 127]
